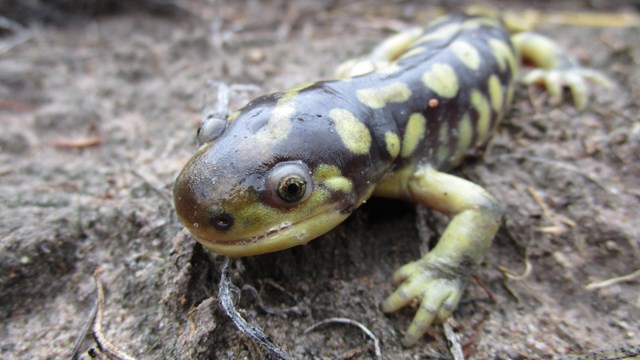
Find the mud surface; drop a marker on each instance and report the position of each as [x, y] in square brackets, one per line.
[99, 114]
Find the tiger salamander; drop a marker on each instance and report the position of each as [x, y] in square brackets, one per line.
[290, 166]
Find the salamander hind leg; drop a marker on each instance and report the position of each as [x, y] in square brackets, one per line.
[438, 279]
[555, 69]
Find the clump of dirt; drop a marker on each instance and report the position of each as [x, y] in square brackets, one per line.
[100, 115]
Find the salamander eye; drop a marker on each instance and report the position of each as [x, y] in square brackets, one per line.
[289, 183]
[292, 188]
[210, 128]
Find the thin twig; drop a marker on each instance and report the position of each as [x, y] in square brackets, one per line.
[21, 34]
[621, 353]
[454, 340]
[73, 354]
[79, 142]
[103, 344]
[527, 269]
[153, 188]
[613, 281]
[254, 332]
[376, 342]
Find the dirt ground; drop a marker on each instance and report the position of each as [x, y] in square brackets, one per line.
[99, 114]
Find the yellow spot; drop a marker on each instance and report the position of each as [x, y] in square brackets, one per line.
[377, 98]
[467, 54]
[392, 141]
[479, 21]
[481, 105]
[465, 132]
[388, 68]
[443, 144]
[440, 20]
[354, 67]
[510, 89]
[302, 86]
[413, 52]
[293, 92]
[341, 184]
[504, 55]
[331, 177]
[442, 80]
[415, 131]
[279, 124]
[323, 172]
[233, 116]
[394, 46]
[443, 32]
[495, 92]
[354, 135]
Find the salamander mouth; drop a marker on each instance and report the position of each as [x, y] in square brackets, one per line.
[272, 231]
[278, 237]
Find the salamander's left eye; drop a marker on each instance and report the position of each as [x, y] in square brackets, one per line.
[292, 188]
[210, 128]
[289, 183]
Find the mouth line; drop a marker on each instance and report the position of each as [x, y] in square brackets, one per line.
[254, 239]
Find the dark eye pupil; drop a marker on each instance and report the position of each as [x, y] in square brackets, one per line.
[292, 189]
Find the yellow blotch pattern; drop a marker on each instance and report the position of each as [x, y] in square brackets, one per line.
[495, 92]
[392, 141]
[293, 92]
[377, 98]
[412, 52]
[354, 134]
[443, 141]
[279, 124]
[442, 80]
[331, 177]
[415, 131]
[466, 53]
[389, 69]
[480, 103]
[465, 133]
[233, 116]
[323, 172]
[504, 56]
[443, 32]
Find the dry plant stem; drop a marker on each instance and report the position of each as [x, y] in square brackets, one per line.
[105, 345]
[621, 353]
[613, 281]
[453, 339]
[73, 354]
[254, 332]
[376, 342]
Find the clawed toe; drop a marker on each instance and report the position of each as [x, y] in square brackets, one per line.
[575, 79]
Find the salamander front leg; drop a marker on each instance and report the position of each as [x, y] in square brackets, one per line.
[438, 279]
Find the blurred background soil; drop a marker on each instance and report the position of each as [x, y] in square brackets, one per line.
[99, 104]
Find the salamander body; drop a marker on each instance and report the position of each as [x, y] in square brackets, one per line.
[290, 166]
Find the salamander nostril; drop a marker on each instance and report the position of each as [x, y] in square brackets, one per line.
[221, 221]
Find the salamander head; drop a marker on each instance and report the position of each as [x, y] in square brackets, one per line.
[255, 189]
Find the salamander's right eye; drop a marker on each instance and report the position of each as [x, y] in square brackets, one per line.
[210, 129]
[288, 184]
